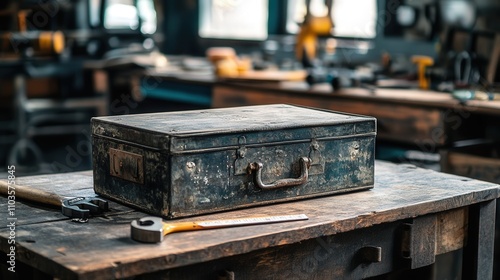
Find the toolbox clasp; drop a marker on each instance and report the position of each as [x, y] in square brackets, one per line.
[127, 166]
[317, 160]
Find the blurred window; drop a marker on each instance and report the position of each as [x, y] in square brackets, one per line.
[123, 14]
[94, 12]
[458, 13]
[147, 13]
[234, 19]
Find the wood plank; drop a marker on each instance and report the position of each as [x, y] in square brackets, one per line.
[328, 257]
[478, 254]
[64, 184]
[71, 250]
[423, 241]
[451, 230]
[469, 165]
[406, 96]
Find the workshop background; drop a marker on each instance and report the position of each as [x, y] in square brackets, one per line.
[63, 62]
[427, 70]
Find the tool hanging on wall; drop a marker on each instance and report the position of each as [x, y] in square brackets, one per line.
[153, 229]
[463, 66]
[422, 63]
[40, 42]
[311, 28]
[32, 42]
[76, 207]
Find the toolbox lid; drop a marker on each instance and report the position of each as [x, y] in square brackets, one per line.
[226, 127]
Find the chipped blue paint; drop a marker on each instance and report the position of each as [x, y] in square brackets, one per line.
[193, 169]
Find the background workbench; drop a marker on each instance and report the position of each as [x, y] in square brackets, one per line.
[409, 217]
[404, 115]
[426, 128]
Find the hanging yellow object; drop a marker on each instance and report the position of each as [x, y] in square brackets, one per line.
[307, 39]
[51, 42]
[422, 63]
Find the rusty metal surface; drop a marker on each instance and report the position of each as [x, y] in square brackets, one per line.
[152, 194]
[202, 167]
[240, 119]
[207, 129]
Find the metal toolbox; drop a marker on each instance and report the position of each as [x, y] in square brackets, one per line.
[179, 164]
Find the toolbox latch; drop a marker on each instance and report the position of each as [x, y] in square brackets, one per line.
[240, 163]
[126, 165]
[317, 160]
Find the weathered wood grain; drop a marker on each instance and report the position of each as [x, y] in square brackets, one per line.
[451, 230]
[332, 257]
[480, 238]
[102, 248]
[63, 185]
[476, 164]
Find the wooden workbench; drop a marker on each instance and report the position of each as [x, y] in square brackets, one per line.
[409, 217]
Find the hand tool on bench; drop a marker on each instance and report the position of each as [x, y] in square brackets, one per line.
[74, 207]
[153, 229]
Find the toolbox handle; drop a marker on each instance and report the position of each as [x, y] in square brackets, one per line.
[305, 163]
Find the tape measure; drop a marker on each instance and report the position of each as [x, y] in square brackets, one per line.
[152, 229]
[252, 221]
